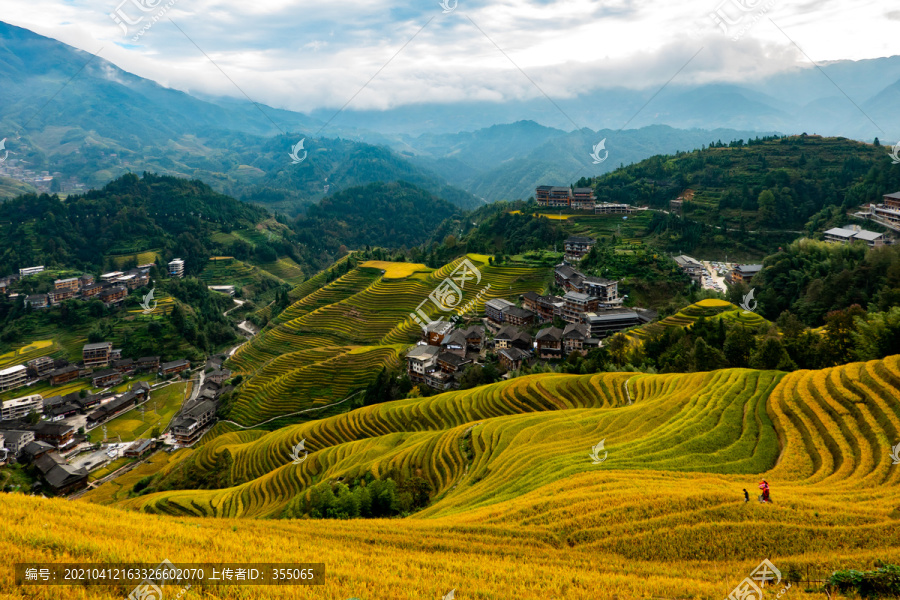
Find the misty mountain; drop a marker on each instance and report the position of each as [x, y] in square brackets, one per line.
[104, 122]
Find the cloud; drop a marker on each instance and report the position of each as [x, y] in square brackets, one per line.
[385, 54]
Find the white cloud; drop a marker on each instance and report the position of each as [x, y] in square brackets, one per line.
[311, 55]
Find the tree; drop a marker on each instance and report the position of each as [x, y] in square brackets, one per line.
[767, 213]
[772, 355]
[154, 433]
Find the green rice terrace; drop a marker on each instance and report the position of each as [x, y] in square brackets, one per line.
[336, 337]
[709, 309]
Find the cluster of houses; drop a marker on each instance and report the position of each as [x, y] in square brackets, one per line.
[591, 309]
[112, 288]
[196, 418]
[696, 270]
[854, 233]
[102, 363]
[552, 196]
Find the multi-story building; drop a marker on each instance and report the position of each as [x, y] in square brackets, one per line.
[93, 289]
[71, 283]
[574, 337]
[607, 322]
[553, 196]
[549, 343]
[113, 295]
[420, 360]
[58, 296]
[58, 434]
[609, 208]
[583, 199]
[38, 367]
[568, 278]
[744, 273]
[148, 363]
[576, 304]
[30, 271]
[512, 337]
[176, 366]
[494, 309]
[605, 290]
[518, 316]
[86, 279]
[64, 374]
[106, 378]
[689, 266]
[96, 355]
[111, 276]
[13, 377]
[512, 358]
[188, 428]
[15, 440]
[578, 246]
[176, 267]
[19, 408]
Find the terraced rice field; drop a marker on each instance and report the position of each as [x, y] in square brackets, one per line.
[709, 309]
[527, 513]
[285, 269]
[335, 338]
[140, 258]
[28, 352]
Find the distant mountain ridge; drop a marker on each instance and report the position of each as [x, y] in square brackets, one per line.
[106, 122]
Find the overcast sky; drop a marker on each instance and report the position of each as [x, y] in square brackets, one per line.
[306, 55]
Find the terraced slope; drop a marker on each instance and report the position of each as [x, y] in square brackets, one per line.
[709, 309]
[335, 338]
[524, 512]
[679, 456]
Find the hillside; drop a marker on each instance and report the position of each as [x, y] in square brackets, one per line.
[336, 336]
[509, 467]
[88, 133]
[379, 214]
[779, 184]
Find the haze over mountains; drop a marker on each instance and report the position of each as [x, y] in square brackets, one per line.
[107, 122]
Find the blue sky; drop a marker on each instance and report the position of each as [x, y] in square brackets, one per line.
[306, 55]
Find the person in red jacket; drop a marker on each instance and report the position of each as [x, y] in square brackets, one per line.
[764, 486]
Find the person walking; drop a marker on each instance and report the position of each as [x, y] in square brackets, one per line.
[746, 495]
[764, 486]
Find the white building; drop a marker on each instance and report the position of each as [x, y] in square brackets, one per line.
[19, 408]
[30, 271]
[12, 377]
[176, 267]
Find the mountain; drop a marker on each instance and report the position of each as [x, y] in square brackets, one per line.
[128, 216]
[107, 122]
[378, 214]
[776, 102]
[787, 183]
[509, 161]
